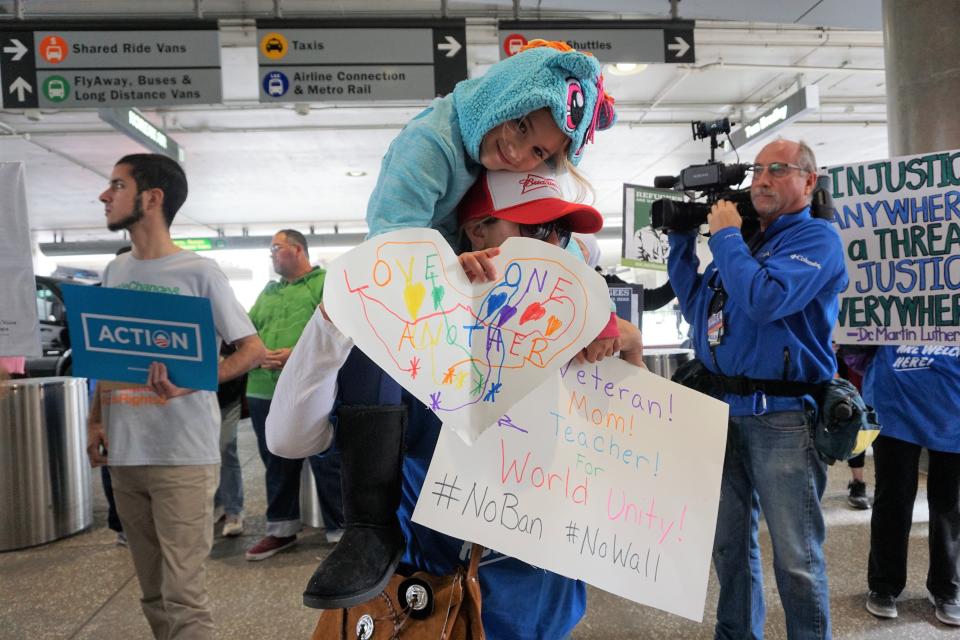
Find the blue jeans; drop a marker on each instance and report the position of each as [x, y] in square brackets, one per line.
[771, 465]
[283, 481]
[230, 492]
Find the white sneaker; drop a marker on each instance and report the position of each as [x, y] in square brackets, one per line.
[233, 525]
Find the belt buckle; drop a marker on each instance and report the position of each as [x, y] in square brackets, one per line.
[759, 403]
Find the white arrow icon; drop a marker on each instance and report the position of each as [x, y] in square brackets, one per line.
[18, 50]
[680, 46]
[20, 86]
[451, 46]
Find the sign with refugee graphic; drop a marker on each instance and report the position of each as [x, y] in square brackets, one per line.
[606, 473]
[643, 247]
[467, 351]
[900, 224]
[116, 333]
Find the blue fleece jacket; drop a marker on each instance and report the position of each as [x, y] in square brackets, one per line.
[781, 306]
[424, 175]
[916, 392]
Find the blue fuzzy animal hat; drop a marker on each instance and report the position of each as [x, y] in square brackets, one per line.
[545, 74]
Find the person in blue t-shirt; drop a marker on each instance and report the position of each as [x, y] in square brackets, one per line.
[761, 315]
[541, 105]
[520, 601]
[916, 392]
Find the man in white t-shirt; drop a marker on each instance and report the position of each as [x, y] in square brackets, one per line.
[163, 440]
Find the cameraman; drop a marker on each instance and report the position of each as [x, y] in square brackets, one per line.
[761, 315]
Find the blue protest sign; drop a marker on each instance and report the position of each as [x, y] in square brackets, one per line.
[116, 333]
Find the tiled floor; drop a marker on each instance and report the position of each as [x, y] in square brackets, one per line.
[84, 586]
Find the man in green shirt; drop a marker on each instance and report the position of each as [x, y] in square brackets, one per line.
[280, 314]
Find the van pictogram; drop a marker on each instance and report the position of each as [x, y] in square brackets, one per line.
[54, 49]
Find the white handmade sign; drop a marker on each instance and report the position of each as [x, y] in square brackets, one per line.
[900, 224]
[606, 473]
[467, 351]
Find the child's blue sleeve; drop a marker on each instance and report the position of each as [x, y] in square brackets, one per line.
[415, 174]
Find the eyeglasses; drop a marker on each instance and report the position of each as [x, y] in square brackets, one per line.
[542, 231]
[776, 169]
[276, 248]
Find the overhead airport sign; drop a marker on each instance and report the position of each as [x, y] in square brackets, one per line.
[200, 244]
[73, 65]
[135, 125]
[330, 61]
[777, 117]
[637, 41]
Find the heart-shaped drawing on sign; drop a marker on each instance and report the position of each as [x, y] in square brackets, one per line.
[553, 323]
[494, 302]
[413, 295]
[506, 312]
[533, 312]
[468, 354]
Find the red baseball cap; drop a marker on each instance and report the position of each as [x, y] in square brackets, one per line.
[526, 198]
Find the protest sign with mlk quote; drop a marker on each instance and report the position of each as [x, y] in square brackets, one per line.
[606, 473]
[900, 224]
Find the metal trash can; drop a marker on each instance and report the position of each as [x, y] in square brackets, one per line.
[44, 472]
[310, 513]
[665, 361]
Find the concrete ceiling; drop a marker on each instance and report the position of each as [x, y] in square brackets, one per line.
[263, 166]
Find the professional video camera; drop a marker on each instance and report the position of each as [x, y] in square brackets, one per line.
[714, 180]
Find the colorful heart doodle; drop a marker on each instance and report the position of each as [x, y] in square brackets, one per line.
[553, 323]
[413, 295]
[472, 356]
[506, 312]
[534, 312]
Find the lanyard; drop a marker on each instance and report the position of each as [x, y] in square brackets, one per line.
[716, 324]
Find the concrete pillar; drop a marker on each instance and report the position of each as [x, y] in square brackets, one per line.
[922, 59]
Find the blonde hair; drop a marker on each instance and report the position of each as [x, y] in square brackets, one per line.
[562, 164]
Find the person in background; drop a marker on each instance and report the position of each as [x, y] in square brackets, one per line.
[228, 500]
[280, 313]
[857, 487]
[916, 393]
[589, 247]
[761, 316]
[160, 439]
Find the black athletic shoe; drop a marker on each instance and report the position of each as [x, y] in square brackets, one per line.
[857, 495]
